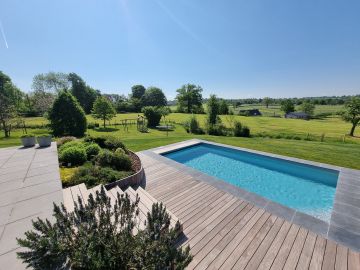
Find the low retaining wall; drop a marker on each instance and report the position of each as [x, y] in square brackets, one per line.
[132, 180]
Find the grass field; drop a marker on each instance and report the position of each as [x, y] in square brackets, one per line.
[333, 150]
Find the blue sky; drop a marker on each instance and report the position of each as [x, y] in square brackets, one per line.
[233, 48]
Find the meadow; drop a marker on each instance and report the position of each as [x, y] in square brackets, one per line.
[321, 140]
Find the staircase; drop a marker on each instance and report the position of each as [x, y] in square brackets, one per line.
[146, 201]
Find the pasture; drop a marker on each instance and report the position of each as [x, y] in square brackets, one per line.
[276, 135]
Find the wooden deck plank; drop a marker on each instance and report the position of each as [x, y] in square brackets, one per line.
[257, 257]
[353, 260]
[341, 262]
[318, 254]
[284, 251]
[296, 249]
[329, 256]
[246, 256]
[306, 254]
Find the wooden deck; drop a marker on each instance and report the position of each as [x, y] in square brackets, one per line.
[225, 232]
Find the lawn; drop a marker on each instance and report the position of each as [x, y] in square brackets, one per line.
[333, 150]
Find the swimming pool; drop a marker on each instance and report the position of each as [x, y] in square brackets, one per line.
[308, 189]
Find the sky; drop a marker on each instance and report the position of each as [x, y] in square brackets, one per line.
[232, 48]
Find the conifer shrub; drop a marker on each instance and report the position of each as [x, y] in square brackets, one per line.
[117, 161]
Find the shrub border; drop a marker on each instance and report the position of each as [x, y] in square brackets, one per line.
[132, 180]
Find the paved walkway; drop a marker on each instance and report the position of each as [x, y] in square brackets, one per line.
[29, 183]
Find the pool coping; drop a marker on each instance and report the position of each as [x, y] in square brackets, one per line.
[345, 217]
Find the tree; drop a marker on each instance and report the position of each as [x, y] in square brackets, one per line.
[223, 107]
[267, 101]
[83, 93]
[137, 91]
[352, 113]
[10, 102]
[189, 99]
[212, 110]
[103, 109]
[51, 82]
[307, 108]
[67, 116]
[154, 97]
[153, 115]
[42, 101]
[100, 235]
[287, 106]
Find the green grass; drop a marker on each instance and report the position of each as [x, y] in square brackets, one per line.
[333, 150]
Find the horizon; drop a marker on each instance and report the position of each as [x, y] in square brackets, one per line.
[236, 50]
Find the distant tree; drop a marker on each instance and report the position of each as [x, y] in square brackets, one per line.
[51, 82]
[10, 103]
[83, 93]
[100, 235]
[287, 106]
[154, 97]
[189, 99]
[67, 116]
[103, 109]
[42, 101]
[267, 101]
[223, 107]
[137, 91]
[212, 110]
[352, 113]
[308, 108]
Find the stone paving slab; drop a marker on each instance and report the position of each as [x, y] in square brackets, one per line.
[29, 184]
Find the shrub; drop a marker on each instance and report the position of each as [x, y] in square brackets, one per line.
[73, 156]
[237, 129]
[70, 144]
[63, 140]
[101, 235]
[153, 115]
[67, 116]
[98, 140]
[120, 151]
[113, 160]
[95, 175]
[113, 143]
[193, 126]
[217, 130]
[246, 132]
[92, 150]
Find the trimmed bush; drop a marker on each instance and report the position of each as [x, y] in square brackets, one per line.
[64, 140]
[113, 160]
[73, 156]
[71, 144]
[95, 175]
[92, 150]
[67, 116]
[120, 151]
[245, 132]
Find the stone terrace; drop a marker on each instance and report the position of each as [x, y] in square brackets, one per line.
[29, 184]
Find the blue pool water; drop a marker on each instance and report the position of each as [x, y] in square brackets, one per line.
[305, 188]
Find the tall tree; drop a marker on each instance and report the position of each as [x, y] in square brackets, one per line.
[50, 82]
[212, 110]
[83, 93]
[352, 113]
[137, 91]
[103, 109]
[154, 97]
[307, 108]
[267, 101]
[189, 99]
[287, 106]
[67, 116]
[223, 107]
[10, 102]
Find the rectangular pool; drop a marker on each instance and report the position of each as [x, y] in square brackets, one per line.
[306, 188]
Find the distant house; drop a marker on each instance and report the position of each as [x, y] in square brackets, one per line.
[297, 115]
[250, 112]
